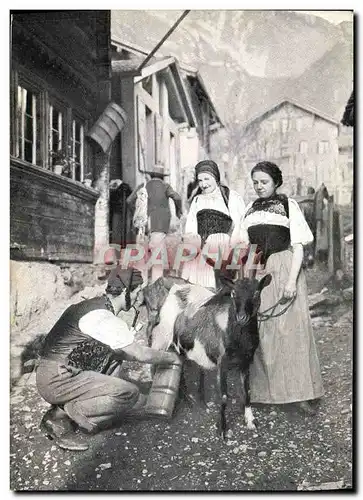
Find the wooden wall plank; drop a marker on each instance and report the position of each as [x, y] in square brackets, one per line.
[49, 224]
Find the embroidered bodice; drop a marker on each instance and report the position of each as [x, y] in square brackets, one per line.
[275, 223]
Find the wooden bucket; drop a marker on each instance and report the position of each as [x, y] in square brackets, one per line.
[108, 125]
[164, 391]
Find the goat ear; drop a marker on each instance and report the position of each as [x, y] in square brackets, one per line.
[265, 281]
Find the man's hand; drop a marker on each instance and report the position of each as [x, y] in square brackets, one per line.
[143, 354]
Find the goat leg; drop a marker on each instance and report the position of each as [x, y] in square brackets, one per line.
[183, 390]
[245, 398]
[222, 373]
[201, 389]
[153, 320]
[149, 334]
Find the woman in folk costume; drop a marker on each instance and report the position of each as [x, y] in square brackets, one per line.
[214, 222]
[286, 365]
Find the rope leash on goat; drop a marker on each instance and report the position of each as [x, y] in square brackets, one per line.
[262, 316]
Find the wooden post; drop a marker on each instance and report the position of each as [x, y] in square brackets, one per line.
[165, 140]
[330, 234]
[130, 147]
[342, 241]
[102, 179]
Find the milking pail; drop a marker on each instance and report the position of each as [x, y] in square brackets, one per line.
[164, 390]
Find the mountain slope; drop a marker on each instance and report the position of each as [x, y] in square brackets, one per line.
[251, 59]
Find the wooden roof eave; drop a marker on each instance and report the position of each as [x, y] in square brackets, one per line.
[174, 80]
[154, 68]
[348, 115]
[151, 68]
[55, 58]
[184, 94]
[188, 115]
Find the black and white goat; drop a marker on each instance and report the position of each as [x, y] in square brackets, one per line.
[216, 331]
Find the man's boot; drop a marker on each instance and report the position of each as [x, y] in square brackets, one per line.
[56, 425]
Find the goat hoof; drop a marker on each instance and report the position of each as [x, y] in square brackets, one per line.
[222, 436]
[190, 400]
[222, 433]
[252, 426]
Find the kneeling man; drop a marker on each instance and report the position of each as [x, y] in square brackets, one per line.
[78, 373]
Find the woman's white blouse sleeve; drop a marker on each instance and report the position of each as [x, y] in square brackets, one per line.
[245, 223]
[237, 210]
[299, 229]
[191, 225]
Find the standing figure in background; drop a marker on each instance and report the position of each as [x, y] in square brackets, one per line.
[192, 191]
[214, 221]
[321, 218]
[158, 193]
[307, 207]
[286, 365]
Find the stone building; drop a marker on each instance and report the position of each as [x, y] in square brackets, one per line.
[346, 165]
[302, 141]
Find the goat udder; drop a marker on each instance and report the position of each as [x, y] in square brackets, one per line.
[162, 335]
[198, 354]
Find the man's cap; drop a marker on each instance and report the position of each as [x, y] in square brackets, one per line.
[123, 278]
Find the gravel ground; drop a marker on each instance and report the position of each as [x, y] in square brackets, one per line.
[288, 452]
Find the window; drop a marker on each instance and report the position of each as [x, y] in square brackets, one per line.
[284, 125]
[150, 139]
[303, 148]
[323, 147]
[298, 124]
[274, 125]
[77, 149]
[28, 125]
[43, 125]
[56, 131]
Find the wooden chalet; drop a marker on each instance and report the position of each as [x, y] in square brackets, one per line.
[60, 84]
[170, 118]
[348, 115]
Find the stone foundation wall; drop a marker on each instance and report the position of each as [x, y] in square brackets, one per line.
[35, 286]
